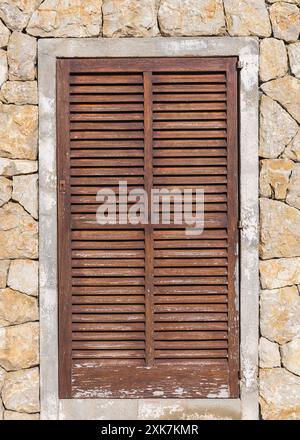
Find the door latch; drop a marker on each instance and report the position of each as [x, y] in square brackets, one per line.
[62, 186]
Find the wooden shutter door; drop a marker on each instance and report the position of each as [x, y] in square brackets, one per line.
[146, 310]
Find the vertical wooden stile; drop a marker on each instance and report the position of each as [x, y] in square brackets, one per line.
[64, 231]
[148, 158]
[233, 218]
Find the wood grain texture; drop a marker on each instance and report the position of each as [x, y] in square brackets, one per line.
[146, 310]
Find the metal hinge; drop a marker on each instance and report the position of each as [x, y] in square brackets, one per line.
[62, 186]
[239, 64]
[240, 225]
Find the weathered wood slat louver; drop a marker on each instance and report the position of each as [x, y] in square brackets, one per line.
[146, 310]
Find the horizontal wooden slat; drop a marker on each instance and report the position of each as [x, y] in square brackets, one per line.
[111, 328]
[104, 318]
[186, 345]
[201, 380]
[190, 317]
[114, 354]
[115, 336]
[187, 88]
[111, 78]
[101, 281]
[189, 335]
[108, 299]
[117, 263]
[108, 345]
[195, 354]
[190, 299]
[188, 78]
[109, 88]
[107, 272]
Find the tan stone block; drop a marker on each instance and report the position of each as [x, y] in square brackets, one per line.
[294, 57]
[285, 20]
[5, 190]
[18, 131]
[18, 233]
[274, 177]
[27, 6]
[21, 391]
[286, 91]
[19, 347]
[191, 18]
[3, 67]
[290, 353]
[292, 151]
[293, 196]
[25, 191]
[4, 35]
[12, 16]
[247, 17]
[280, 272]
[4, 265]
[10, 167]
[280, 230]
[21, 52]
[273, 59]
[70, 18]
[277, 128]
[14, 415]
[19, 92]
[23, 276]
[280, 395]
[280, 314]
[17, 308]
[269, 355]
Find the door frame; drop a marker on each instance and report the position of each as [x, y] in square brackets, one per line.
[247, 275]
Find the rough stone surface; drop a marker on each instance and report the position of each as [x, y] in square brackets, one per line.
[4, 35]
[269, 355]
[18, 233]
[23, 276]
[22, 57]
[285, 20]
[294, 57]
[286, 91]
[191, 17]
[292, 151]
[13, 415]
[5, 190]
[280, 230]
[25, 191]
[274, 177]
[19, 347]
[277, 128]
[18, 131]
[12, 16]
[20, 93]
[279, 272]
[1, 410]
[293, 196]
[136, 18]
[4, 265]
[2, 378]
[69, 18]
[10, 167]
[247, 17]
[280, 314]
[3, 67]
[290, 353]
[27, 6]
[280, 391]
[273, 59]
[21, 391]
[16, 308]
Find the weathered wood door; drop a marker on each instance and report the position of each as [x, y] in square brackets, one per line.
[146, 310]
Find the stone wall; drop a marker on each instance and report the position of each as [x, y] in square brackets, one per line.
[277, 24]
